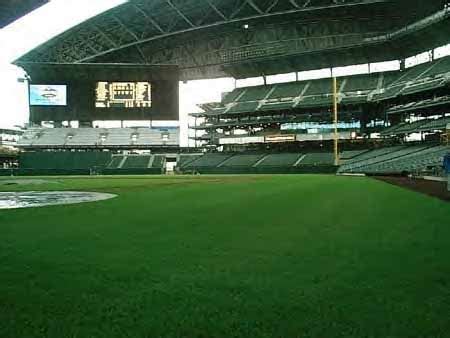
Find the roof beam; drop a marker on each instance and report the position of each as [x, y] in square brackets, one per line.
[272, 5]
[231, 19]
[214, 7]
[141, 53]
[149, 18]
[104, 35]
[236, 12]
[306, 4]
[180, 13]
[294, 3]
[129, 31]
[254, 6]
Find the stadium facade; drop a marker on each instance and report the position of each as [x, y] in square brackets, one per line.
[389, 122]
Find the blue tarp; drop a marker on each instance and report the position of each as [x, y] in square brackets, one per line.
[447, 163]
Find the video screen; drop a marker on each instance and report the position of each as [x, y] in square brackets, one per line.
[48, 95]
[123, 95]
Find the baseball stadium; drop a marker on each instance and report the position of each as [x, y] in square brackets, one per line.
[308, 197]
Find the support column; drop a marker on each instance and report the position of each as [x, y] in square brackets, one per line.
[335, 121]
[195, 132]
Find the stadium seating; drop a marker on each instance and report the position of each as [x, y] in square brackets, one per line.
[138, 161]
[360, 160]
[265, 163]
[271, 106]
[185, 159]
[316, 101]
[255, 93]
[287, 90]
[389, 78]
[116, 161]
[158, 161]
[418, 159]
[317, 159]
[409, 128]
[436, 124]
[207, 160]
[230, 97]
[117, 137]
[441, 67]
[353, 99]
[398, 159]
[346, 155]
[417, 126]
[319, 87]
[361, 83]
[243, 107]
[279, 160]
[422, 104]
[79, 137]
[353, 90]
[389, 92]
[247, 160]
[424, 85]
[99, 137]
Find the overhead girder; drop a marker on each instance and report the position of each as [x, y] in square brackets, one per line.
[262, 41]
[11, 10]
[141, 21]
[203, 36]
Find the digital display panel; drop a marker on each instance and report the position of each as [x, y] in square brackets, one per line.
[123, 95]
[48, 95]
[103, 92]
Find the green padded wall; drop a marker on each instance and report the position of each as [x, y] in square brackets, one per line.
[64, 160]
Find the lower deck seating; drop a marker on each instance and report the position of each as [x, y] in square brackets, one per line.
[158, 161]
[116, 161]
[223, 163]
[279, 160]
[317, 159]
[396, 160]
[207, 160]
[417, 162]
[136, 161]
[247, 160]
[185, 159]
[379, 157]
[369, 155]
[349, 154]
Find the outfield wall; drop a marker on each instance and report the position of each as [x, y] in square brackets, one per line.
[319, 169]
[78, 172]
[64, 160]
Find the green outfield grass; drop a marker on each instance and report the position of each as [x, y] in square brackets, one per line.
[230, 256]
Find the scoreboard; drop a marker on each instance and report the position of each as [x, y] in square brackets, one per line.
[89, 92]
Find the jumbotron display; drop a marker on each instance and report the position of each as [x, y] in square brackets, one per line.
[102, 92]
[48, 95]
[123, 94]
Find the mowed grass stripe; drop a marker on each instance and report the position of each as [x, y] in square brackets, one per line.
[243, 256]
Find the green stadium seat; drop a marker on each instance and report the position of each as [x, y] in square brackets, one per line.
[136, 161]
[255, 93]
[279, 160]
[246, 160]
[317, 159]
[287, 90]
